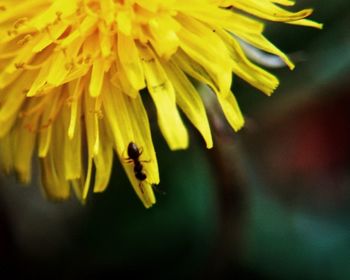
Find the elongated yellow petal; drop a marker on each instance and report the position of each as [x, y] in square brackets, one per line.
[259, 41]
[189, 101]
[205, 47]
[267, 10]
[163, 95]
[55, 185]
[72, 150]
[220, 18]
[23, 139]
[143, 137]
[130, 61]
[97, 77]
[245, 69]
[103, 162]
[130, 124]
[10, 104]
[187, 65]
[231, 110]
[117, 115]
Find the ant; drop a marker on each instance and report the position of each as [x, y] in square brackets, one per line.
[134, 154]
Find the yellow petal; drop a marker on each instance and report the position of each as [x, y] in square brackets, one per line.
[130, 61]
[54, 182]
[11, 101]
[22, 146]
[163, 35]
[259, 41]
[193, 69]
[72, 147]
[97, 75]
[245, 69]
[205, 47]
[163, 95]
[231, 110]
[221, 18]
[75, 90]
[128, 122]
[103, 161]
[188, 99]
[267, 10]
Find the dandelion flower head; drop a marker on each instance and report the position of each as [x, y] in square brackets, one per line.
[72, 71]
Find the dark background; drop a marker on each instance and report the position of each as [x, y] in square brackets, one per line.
[268, 202]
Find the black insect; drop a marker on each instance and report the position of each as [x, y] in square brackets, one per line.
[134, 154]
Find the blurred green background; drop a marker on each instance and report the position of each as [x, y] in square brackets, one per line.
[269, 202]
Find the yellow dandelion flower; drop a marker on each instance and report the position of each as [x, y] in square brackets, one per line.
[71, 72]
